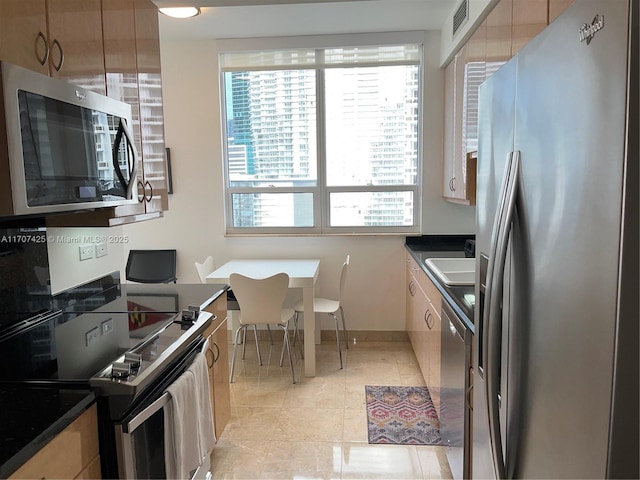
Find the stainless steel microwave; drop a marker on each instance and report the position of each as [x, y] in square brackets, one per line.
[64, 148]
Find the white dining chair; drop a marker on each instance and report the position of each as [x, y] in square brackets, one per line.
[261, 303]
[205, 268]
[330, 307]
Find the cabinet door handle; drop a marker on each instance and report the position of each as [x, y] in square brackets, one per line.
[453, 184]
[470, 398]
[45, 57]
[427, 317]
[216, 356]
[141, 186]
[58, 66]
[213, 360]
[148, 199]
[412, 288]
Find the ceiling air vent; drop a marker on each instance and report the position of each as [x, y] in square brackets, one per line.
[461, 16]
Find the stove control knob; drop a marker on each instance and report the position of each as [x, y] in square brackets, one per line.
[189, 316]
[133, 359]
[120, 370]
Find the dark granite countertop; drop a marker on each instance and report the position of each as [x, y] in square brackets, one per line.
[443, 246]
[31, 416]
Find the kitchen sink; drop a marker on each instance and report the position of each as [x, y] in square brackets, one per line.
[453, 271]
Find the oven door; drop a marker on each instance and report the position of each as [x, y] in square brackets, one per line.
[140, 436]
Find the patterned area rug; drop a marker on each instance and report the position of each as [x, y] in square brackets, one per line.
[401, 416]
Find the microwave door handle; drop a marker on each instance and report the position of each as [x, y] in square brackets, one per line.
[114, 160]
[133, 165]
[124, 131]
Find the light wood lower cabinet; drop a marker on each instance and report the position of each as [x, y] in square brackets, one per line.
[424, 326]
[91, 471]
[71, 454]
[218, 362]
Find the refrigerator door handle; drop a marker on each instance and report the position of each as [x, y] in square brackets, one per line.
[493, 245]
[493, 319]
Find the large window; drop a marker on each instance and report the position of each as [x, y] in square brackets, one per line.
[322, 140]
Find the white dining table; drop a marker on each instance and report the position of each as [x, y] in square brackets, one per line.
[303, 274]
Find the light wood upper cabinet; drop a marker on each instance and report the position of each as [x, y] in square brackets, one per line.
[140, 85]
[529, 18]
[132, 70]
[120, 58]
[509, 26]
[23, 34]
[498, 34]
[460, 119]
[556, 7]
[456, 187]
[449, 128]
[452, 187]
[151, 106]
[61, 38]
[121, 66]
[75, 38]
[73, 453]
[132, 62]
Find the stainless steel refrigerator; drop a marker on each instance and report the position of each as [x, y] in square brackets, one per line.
[555, 351]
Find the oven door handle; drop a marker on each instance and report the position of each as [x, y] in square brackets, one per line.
[147, 413]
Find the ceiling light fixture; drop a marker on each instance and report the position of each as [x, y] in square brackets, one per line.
[181, 12]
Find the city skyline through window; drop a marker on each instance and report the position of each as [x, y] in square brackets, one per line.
[323, 149]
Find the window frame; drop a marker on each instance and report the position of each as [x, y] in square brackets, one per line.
[321, 191]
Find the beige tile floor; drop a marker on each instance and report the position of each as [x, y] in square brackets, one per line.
[317, 428]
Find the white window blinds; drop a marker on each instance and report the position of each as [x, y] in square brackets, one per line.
[314, 58]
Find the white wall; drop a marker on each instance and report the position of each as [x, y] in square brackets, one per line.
[66, 269]
[194, 225]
